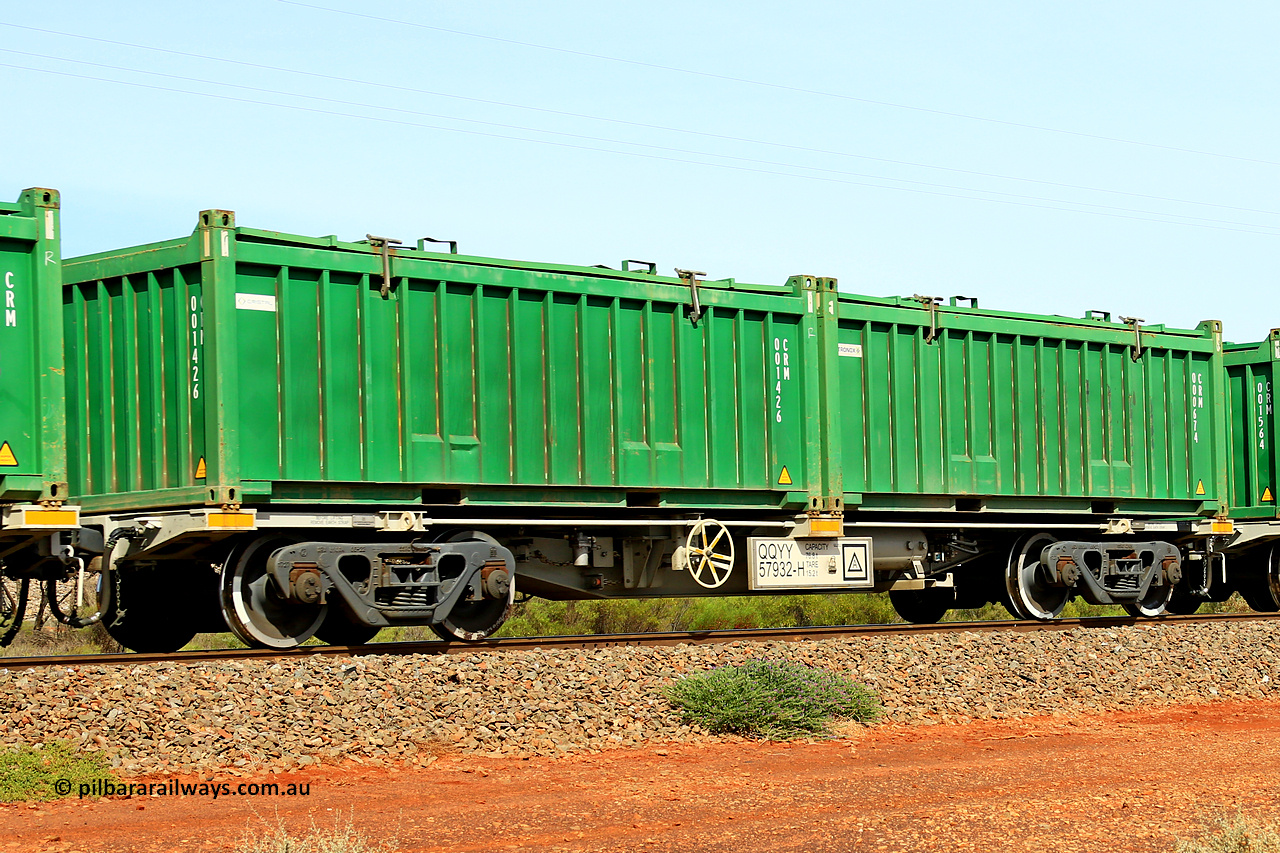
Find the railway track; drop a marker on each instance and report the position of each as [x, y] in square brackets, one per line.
[754, 635]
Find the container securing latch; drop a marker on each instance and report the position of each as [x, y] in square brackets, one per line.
[691, 276]
[1137, 335]
[385, 243]
[931, 305]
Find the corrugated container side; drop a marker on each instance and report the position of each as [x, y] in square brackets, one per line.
[133, 344]
[1251, 371]
[1052, 412]
[274, 362]
[32, 423]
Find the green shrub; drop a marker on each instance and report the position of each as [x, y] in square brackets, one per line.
[768, 700]
[31, 774]
[1239, 834]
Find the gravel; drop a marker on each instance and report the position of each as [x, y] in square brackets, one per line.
[256, 715]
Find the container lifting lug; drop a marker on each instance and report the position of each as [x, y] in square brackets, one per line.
[423, 241]
[691, 276]
[1136, 322]
[385, 243]
[931, 305]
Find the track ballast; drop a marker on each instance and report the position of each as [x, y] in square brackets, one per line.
[594, 641]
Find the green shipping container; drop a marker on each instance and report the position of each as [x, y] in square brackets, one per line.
[948, 407]
[1251, 372]
[32, 419]
[254, 367]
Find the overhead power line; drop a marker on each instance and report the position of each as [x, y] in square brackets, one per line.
[779, 86]
[588, 138]
[1169, 219]
[624, 122]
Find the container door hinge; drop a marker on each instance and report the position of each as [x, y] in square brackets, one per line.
[930, 304]
[1137, 335]
[385, 243]
[691, 276]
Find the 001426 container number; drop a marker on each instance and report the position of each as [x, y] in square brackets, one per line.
[781, 373]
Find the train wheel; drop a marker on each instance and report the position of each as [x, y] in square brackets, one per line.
[1182, 603]
[1030, 594]
[254, 608]
[1262, 592]
[139, 610]
[473, 621]
[339, 629]
[1154, 603]
[13, 607]
[922, 606]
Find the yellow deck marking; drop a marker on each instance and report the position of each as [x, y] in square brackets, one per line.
[784, 479]
[230, 519]
[6, 455]
[200, 470]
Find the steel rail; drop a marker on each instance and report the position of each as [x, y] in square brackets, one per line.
[595, 641]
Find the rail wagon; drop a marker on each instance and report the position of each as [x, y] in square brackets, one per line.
[289, 436]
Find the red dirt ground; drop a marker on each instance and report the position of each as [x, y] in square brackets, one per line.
[1122, 781]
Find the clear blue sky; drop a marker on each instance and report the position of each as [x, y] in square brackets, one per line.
[1051, 157]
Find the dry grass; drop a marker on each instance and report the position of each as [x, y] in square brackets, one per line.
[55, 639]
[1237, 834]
[342, 838]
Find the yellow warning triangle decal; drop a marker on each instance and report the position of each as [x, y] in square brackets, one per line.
[200, 471]
[784, 479]
[1200, 487]
[6, 455]
[1266, 494]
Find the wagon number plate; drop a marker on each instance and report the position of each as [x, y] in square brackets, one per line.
[810, 563]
